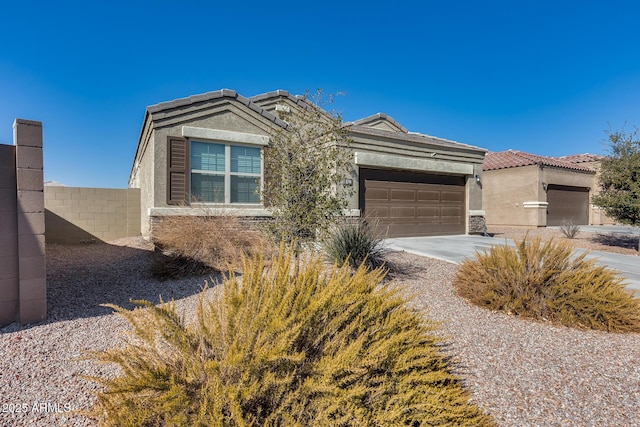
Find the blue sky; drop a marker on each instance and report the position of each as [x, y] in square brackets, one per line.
[548, 77]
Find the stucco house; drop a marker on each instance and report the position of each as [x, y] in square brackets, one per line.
[207, 151]
[524, 189]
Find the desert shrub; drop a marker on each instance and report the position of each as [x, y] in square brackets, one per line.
[286, 345]
[355, 243]
[194, 245]
[547, 281]
[569, 229]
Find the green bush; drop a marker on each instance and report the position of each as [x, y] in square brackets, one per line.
[355, 243]
[547, 281]
[288, 345]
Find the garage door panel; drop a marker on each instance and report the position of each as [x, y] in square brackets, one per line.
[402, 212]
[452, 197]
[380, 212]
[400, 230]
[451, 212]
[567, 204]
[419, 208]
[429, 212]
[378, 193]
[428, 196]
[403, 195]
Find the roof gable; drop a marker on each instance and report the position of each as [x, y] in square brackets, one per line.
[513, 159]
[182, 103]
[380, 121]
[281, 101]
[270, 100]
[186, 109]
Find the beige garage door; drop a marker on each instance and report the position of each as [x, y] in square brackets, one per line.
[567, 204]
[408, 204]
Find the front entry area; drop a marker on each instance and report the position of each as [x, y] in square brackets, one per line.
[408, 204]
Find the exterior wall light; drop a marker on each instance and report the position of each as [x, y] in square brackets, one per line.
[545, 186]
[478, 180]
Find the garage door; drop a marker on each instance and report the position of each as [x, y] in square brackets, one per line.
[567, 204]
[411, 204]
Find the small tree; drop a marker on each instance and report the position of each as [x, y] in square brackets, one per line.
[306, 165]
[620, 179]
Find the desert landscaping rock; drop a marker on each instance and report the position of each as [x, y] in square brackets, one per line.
[521, 372]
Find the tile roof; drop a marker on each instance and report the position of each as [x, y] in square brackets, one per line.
[513, 159]
[581, 158]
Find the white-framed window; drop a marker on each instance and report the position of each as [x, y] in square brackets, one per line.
[225, 173]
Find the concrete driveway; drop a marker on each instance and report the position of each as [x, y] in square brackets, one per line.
[456, 248]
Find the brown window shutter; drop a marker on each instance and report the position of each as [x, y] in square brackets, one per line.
[177, 167]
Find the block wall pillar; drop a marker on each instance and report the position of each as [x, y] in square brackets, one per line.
[27, 136]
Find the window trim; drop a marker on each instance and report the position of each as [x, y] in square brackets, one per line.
[226, 136]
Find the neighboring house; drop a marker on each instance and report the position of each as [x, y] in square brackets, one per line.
[597, 215]
[204, 154]
[53, 184]
[523, 189]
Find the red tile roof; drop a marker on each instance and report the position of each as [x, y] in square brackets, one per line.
[581, 158]
[513, 159]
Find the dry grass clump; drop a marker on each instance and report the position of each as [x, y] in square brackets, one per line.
[546, 281]
[569, 229]
[287, 345]
[195, 245]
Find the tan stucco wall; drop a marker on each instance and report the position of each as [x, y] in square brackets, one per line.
[147, 182]
[475, 189]
[507, 191]
[504, 193]
[570, 178]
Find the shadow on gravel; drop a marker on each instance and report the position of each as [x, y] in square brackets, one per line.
[81, 277]
[397, 267]
[617, 240]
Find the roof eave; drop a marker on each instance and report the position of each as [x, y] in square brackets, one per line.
[413, 137]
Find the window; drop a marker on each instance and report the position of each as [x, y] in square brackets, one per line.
[225, 173]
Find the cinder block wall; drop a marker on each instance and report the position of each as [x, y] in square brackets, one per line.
[23, 277]
[8, 236]
[79, 215]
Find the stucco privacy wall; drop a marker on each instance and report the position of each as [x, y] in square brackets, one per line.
[23, 286]
[77, 214]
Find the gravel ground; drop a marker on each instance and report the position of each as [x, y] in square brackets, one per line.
[608, 242]
[523, 373]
